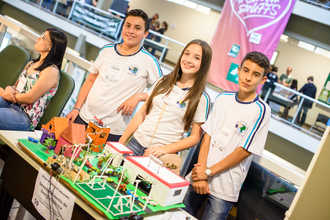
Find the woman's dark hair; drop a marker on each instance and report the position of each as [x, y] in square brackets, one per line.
[165, 85]
[56, 53]
[166, 25]
[294, 84]
[274, 69]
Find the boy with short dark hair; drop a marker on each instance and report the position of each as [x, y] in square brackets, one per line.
[236, 128]
[120, 72]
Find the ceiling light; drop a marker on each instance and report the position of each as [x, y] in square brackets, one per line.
[190, 4]
[306, 46]
[203, 9]
[322, 52]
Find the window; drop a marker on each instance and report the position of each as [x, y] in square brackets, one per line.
[177, 192]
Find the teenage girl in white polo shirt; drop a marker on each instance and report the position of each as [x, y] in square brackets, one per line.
[176, 102]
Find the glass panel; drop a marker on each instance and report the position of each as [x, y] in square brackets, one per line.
[96, 20]
[319, 3]
[292, 107]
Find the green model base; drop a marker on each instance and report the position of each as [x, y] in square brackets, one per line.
[99, 195]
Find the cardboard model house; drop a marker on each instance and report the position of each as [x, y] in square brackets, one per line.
[73, 134]
[119, 149]
[98, 133]
[53, 128]
[168, 188]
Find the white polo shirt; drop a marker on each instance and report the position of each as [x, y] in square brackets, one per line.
[171, 127]
[234, 124]
[119, 78]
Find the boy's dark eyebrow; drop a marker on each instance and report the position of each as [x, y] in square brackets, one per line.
[137, 25]
[244, 67]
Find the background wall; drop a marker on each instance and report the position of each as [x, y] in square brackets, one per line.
[304, 64]
[190, 24]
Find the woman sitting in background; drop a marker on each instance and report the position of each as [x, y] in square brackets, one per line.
[22, 105]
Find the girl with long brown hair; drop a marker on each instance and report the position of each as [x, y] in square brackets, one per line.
[176, 102]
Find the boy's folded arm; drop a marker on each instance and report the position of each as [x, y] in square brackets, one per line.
[204, 149]
[198, 173]
[231, 160]
[129, 105]
[134, 124]
[201, 187]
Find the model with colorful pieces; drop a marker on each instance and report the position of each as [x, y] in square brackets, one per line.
[176, 103]
[101, 171]
[58, 131]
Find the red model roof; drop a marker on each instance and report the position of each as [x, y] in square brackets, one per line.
[183, 183]
[124, 150]
[74, 134]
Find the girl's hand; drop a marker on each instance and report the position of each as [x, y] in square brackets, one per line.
[198, 172]
[157, 151]
[9, 94]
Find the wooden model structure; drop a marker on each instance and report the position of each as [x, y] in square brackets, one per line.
[73, 134]
[98, 133]
[53, 128]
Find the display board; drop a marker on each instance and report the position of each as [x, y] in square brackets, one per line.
[245, 26]
[325, 93]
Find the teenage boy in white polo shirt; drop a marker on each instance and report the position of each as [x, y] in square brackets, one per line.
[235, 130]
[118, 78]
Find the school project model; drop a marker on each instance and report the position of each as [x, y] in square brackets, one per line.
[112, 181]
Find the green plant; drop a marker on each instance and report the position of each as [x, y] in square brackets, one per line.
[50, 142]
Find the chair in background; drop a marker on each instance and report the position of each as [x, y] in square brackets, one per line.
[12, 61]
[58, 102]
[320, 120]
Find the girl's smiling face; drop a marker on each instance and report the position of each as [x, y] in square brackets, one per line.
[191, 59]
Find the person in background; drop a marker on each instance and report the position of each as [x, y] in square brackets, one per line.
[308, 89]
[95, 3]
[153, 23]
[236, 130]
[287, 78]
[161, 31]
[272, 77]
[23, 105]
[291, 96]
[121, 72]
[46, 4]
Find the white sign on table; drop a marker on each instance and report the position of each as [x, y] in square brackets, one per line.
[51, 199]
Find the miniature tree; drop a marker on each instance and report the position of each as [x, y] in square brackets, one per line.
[125, 177]
[50, 143]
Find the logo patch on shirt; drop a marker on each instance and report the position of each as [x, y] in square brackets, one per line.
[133, 69]
[240, 127]
[181, 104]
